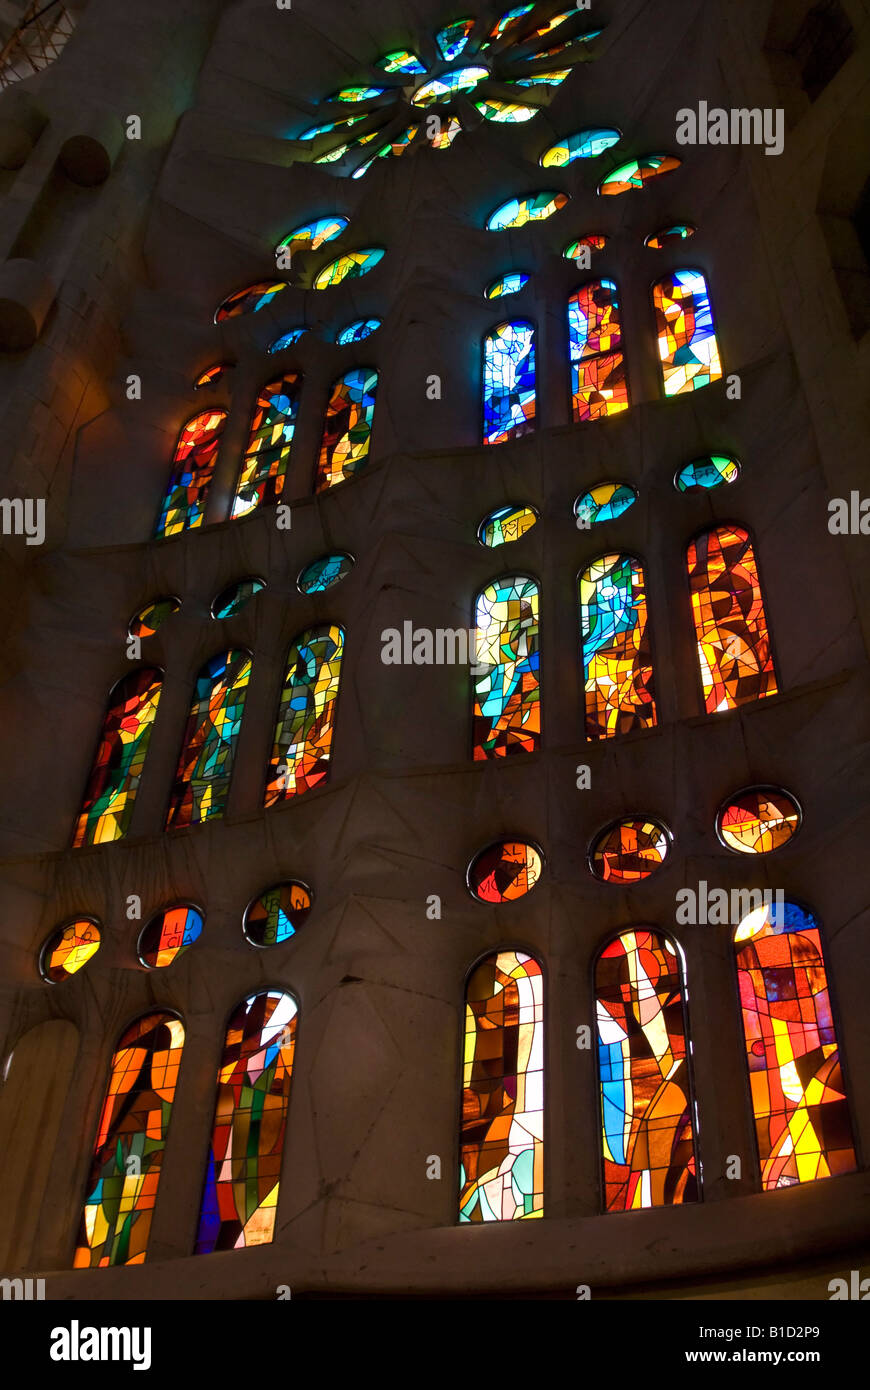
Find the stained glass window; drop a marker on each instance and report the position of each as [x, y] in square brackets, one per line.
[357, 94]
[357, 331]
[324, 572]
[647, 1106]
[212, 375]
[169, 934]
[706, 473]
[589, 35]
[587, 144]
[117, 770]
[605, 502]
[688, 348]
[69, 948]
[802, 1124]
[509, 382]
[147, 620]
[131, 1137]
[506, 284]
[249, 300]
[351, 266]
[637, 172]
[617, 654]
[670, 236]
[505, 112]
[202, 781]
[441, 88]
[267, 455]
[554, 78]
[287, 339]
[400, 60]
[506, 524]
[509, 20]
[306, 714]
[516, 212]
[347, 428]
[758, 820]
[575, 250]
[453, 37]
[240, 1200]
[312, 235]
[730, 621]
[233, 598]
[629, 850]
[192, 468]
[598, 383]
[277, 914]
[507, 697]
[345, 123]
[502, 1142]
[505, 871]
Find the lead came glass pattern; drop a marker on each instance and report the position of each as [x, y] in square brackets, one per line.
[114, 781]
[507, 696]
[502, 1139]
[598, 382]
[306, 714]
[267, 456]
[192, 468]
[688, 348]
[617, 655]
[347, 428]
[731, 632]
[508, 382]
[202, 781]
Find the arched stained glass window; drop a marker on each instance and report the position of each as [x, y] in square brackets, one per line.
[117, 770]
[240, 1200]
[502, 1141]
[192, 468]
[617, 654]
[267, 456]
[508, 382]
[647, 1107]
[131, 1137]
[688, 349]
[205, 767]
[347, 428]
[598, 383]
[306, 714]
[507, 696]
[802, 1122]
[730, 622]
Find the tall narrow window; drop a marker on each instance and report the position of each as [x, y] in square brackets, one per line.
[347, 429]
[802, 1122]
[647, 1108]
[688, 349]
[502, 1142]
[730, 622]
[508, 382]
[192, 469]
[507, 695]
[267, 456]
[128, 1153]
[617, 654]
[306, 714]
[117, 770]
[598, 382]
[240, 1199]
[205, 767]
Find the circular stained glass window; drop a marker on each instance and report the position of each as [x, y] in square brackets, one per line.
[169, 934]
[629, 850]
[324, 572]
[69, 948]
[277, 914]
[505, 871]
[758, 820]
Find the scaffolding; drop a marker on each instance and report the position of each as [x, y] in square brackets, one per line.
[36, 41]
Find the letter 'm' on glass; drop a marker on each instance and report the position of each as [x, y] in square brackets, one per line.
[117, 770]
[507, 696]
[131, 1137]
[730, 622]
[240, 1199]
[647, 1108]
[502, 1141]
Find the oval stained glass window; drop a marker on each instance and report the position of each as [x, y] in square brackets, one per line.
[595, 241]
[351, 266]
[505, 871]
[758, 820]
[506, 112]
[586, 144]
[442, 88]
[707, 473]
[629, 850]
[287, 339]
[233, 598]
[324, 572]
[168, 934]
[68, 948]
[603, 503]
[400, 60]
[453, 37]
[670, 236]
[637, 172]
[506, 284]
[516, 212]
[277, 914]
[506, 524]
[212, 375]
[146, 622]
[249, 300]
[357, 94]
[312, 235]
[357, 331]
